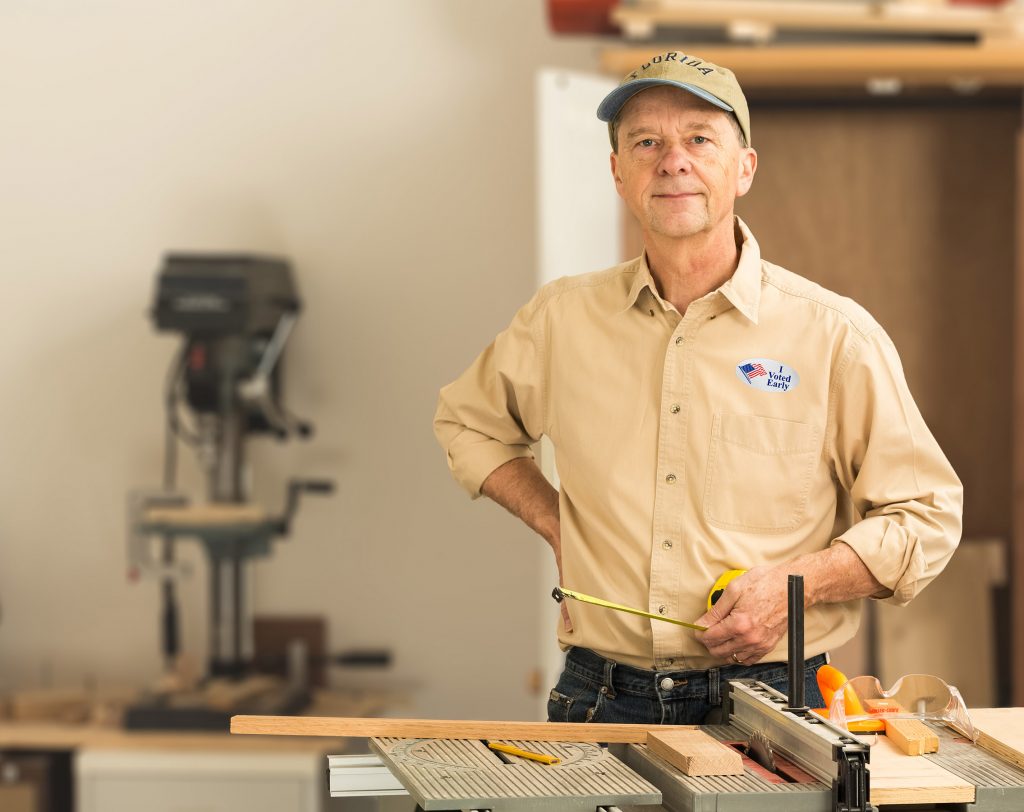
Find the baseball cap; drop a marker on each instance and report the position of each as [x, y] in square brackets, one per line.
[700, 77]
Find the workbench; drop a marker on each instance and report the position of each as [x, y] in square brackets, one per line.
[101, 769]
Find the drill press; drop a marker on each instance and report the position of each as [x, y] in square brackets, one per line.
[235, 314]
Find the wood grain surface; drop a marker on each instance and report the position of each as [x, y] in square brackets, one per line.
[911, 736]
[206, 514]
[41, 736]
[445, 729]
[897, 778]
[1001, 732]
[695, 752]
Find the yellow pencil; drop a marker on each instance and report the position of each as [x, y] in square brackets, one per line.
[515, 751]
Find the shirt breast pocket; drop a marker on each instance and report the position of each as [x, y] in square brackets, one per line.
[759, 472]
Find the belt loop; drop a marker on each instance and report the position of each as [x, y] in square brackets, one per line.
[609, 667]
[714, 688]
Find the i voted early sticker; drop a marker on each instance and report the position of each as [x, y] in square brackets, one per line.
[767, 375]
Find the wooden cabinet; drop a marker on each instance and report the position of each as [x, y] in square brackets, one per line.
[130, 780]
[908, 207]
[110, 770]
[34, 781]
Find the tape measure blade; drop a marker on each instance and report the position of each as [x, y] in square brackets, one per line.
[579, 596]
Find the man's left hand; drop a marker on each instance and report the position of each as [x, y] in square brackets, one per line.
[749, 618]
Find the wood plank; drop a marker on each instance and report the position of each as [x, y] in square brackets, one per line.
[207, 513]
[911, 736]
[445, 729]
[226, 694]
[901, 779]
[1001, 732]
[695, 752]
[67, 706]
[40, 736]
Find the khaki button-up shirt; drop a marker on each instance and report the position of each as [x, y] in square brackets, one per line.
[770, 420]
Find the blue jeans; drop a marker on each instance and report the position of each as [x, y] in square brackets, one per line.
[593, 689]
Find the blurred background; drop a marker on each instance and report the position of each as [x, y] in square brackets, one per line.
[422, 166]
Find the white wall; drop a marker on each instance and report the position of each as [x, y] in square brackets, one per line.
[579, 229]
[388, 150]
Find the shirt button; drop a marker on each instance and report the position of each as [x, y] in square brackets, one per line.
[679, 340]
[670, 478]
[667, 544]
[668, 684]
[662, 609]
[675, 408]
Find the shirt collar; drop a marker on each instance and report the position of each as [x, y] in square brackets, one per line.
[642, 280]
[742, 289]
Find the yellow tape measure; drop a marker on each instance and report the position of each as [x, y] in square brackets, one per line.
[717, 589]
[560, 594]
[723, 581]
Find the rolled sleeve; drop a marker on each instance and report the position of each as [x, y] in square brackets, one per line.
[494, 411]
[903, 488]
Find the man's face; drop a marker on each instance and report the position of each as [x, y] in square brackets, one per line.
[680, 165]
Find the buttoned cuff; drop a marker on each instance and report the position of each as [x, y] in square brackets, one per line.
[891, 555]
[473, 456]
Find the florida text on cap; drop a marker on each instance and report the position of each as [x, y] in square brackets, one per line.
[700, 77]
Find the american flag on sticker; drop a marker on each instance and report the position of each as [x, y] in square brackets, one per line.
[751, 371]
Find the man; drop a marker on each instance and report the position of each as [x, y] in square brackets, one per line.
[709, 411]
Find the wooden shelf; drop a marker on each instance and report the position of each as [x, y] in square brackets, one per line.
[962, 67]
[756, 20]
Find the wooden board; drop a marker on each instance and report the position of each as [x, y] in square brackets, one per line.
[226, 694]
[911, 736]
[209, 513]
[70, 706]
[695, 752]
[1001, 732]
[39, 736]
[897, 778]
[445, 729]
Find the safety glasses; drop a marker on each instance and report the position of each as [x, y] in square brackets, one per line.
[914, 696]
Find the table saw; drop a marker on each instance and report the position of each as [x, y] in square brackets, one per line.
[818, 767]
[794, 760]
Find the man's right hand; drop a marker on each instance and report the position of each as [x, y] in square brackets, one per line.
[556, 548]
[520, 488]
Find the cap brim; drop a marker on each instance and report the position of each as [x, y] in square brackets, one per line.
[613, 102]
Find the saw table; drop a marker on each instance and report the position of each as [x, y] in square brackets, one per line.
[795, 760]
[446, 766]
